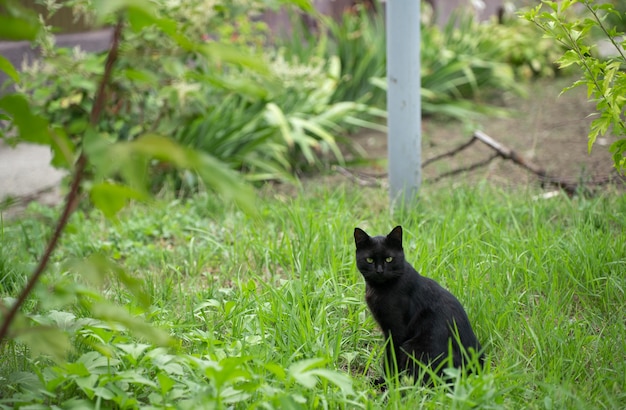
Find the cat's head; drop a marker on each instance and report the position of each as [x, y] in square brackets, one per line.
[379, 258]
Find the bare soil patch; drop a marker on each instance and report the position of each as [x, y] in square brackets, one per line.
[546, 127]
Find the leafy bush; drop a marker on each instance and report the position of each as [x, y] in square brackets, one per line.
[268, 123]
[530, 54]
[463, 64]
[604, 77]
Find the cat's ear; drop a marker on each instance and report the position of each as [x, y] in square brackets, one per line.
[360, 237]
[395, 236]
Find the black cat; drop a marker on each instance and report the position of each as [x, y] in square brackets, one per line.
[419, 318]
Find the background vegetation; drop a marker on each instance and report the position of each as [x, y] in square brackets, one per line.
[601, 72]
[194, 302]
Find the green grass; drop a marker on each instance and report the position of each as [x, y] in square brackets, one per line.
[268, 310]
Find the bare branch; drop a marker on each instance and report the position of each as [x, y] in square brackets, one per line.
[74, 193]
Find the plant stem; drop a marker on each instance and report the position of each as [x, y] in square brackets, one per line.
[73, 196]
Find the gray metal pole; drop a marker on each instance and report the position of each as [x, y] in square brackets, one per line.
[404, 120]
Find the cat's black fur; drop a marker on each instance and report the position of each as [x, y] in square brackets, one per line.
[419, 316]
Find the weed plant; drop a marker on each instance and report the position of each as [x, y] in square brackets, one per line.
[268, 310]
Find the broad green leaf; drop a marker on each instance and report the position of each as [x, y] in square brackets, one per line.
[63, 320]
[106, 8]
[7, 67]
[116, 314]
[100, 151]
[227, 53]
[96, 363]
[141, 76]
[63, 149]
[17, 22]
[166, 382]
[87, 384]
[214, 173]
[134, 350]
[32, 127]
[46, 340]
[343, 381]
[277, 370]
[27, 381]
[111, 198]
[97, 268]
[76, 369]
[140, 17]
[301, 371]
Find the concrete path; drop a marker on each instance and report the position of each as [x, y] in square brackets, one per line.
[25, 171]
[26, 175]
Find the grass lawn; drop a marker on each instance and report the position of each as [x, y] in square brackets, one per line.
[268, 311]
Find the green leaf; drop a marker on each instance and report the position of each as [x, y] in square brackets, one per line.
[7, 67]
[96, 363]
[166, 382]
[141, 76]
[140, 17]
[63, 149]
[32, 127]
[116, 314]
[304, 5]
[343, 381]
[301, 371]
[76, 369]
[106, 8]
[111, 198]
[134, 350]
[277, 370]
[213, 172]
[46, 340]
[227, 53]
[17, 22]
[97, 268]
[275, 117]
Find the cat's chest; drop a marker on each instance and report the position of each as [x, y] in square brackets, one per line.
[391, 308]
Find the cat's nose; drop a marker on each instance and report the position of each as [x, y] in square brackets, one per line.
[379, 269]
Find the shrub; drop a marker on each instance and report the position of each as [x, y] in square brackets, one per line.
[268, 123]
[604, 77]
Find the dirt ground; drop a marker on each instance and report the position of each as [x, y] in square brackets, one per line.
[546, 127]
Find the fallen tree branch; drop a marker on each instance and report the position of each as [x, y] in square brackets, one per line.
[507, 153]
[450, 153]
[361, 178]
[464, 169]
[569, 186]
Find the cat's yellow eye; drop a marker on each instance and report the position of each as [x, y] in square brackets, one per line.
[388, 259]
[369, 260]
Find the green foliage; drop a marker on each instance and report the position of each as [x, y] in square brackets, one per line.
[528, 52]
[172, 80]
[17, 23]
[117, 168]
[604, 77]
[358, 40]
[462, 64]
[270, 311]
